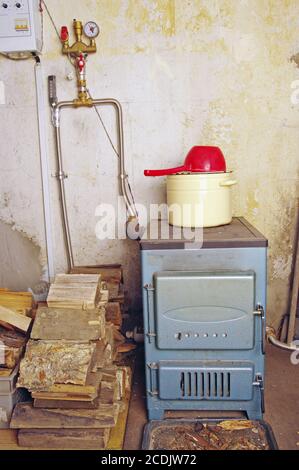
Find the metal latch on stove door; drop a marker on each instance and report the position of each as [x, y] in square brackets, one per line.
[150, 333]
[153, 382]
[259, 382]
[260, 311]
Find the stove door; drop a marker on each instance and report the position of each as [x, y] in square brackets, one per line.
[196, 310]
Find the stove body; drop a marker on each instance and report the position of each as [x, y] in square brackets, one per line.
[204, 320]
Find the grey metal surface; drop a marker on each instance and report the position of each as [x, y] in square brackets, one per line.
[196, 310]
[239, 234]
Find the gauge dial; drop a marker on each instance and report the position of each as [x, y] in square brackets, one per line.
[91, 29]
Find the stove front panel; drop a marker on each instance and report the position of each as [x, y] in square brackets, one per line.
[206, 311]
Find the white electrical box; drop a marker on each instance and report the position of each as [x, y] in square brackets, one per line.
[20, 26]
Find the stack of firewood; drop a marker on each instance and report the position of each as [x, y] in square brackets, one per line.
[69, 368]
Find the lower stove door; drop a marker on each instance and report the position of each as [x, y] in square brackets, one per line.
[209, 381]
[202, 310]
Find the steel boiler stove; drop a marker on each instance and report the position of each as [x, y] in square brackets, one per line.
[204, 319]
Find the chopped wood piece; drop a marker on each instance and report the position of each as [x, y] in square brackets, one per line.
[103, 355]
[120, 297]
[235, 425]
[19, 302]
[27, 417]
[77, 279]
[127, 347]
[108, 392]
[55, 362]
[12, 345]
[66, 404]
[6, 372]
[69, 392]
[84, 297]
[75, 291]
[113, 314]
[65, 439]
[108, 273]
[63, 396]
[17, 320]
[68, 324]
[113, 288]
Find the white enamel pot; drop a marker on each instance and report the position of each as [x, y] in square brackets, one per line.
[200, 199]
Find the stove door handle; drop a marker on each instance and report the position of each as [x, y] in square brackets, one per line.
[261, 313]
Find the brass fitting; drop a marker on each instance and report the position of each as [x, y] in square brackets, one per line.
[79, 47]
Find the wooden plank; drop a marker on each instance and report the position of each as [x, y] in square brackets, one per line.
[17, 320]
[60, 439]
[47, 363]
[66, 404]
[84, 398]
[27, 417]
[117, 435]
[68, 324]
[6, 372]
[16, 300]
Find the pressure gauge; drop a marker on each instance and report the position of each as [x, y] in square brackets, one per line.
[91, 30]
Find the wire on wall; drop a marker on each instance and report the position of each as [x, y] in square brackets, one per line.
[42, 2]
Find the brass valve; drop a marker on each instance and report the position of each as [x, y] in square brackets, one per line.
[79, 50]
[79, 47]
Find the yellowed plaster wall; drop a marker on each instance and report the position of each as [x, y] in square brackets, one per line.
[209, 72]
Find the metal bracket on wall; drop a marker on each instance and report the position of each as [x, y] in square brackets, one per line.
[153, 367]
[260, 311]
[259, 382]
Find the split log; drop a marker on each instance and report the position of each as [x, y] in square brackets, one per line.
[55, 362]
[17, 320]
[68, 324]
[64, 439]
[27, 417]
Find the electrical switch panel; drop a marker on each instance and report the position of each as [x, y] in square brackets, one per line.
[20, 26]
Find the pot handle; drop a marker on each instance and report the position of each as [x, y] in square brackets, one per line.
[169, 171]
[228, 183]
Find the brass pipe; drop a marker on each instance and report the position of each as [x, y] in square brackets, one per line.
[61, 175]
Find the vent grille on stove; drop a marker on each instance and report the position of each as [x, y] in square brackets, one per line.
[207, 385]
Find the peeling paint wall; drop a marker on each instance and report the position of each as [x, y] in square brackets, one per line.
[214, 72]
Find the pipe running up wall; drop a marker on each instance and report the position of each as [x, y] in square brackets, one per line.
[61, 176]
